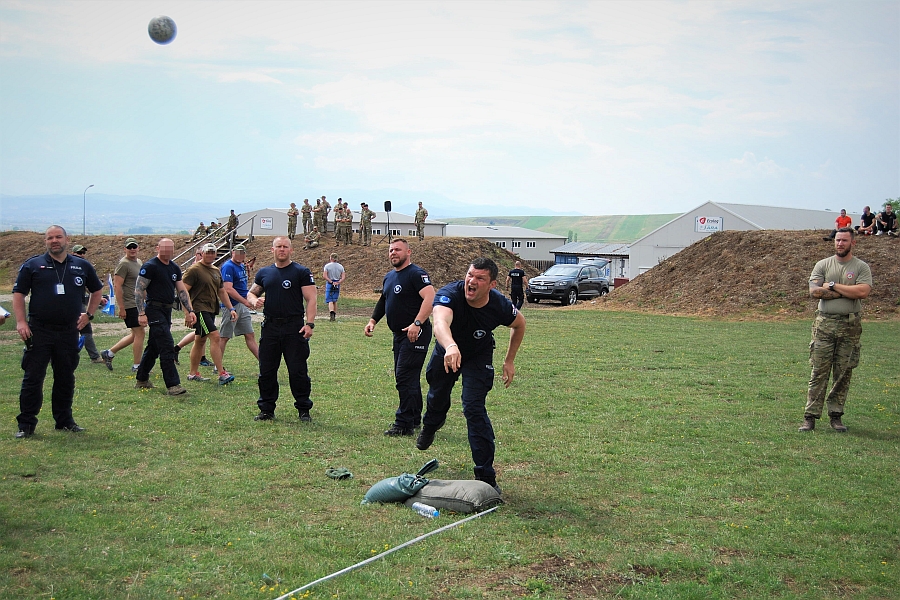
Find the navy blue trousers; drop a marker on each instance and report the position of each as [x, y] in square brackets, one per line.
[50, 345]
[477, 374]
[277, 339]
[159, 345]
[408, 360]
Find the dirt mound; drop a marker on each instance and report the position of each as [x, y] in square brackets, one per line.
[445, 259]
[755, 273]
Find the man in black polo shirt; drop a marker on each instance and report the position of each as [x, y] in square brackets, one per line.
[465, 316]
[286, 286]
[154, 294]
[406, 298]
[57, 282]
[516, 282]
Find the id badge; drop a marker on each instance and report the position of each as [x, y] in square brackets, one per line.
[60, 289]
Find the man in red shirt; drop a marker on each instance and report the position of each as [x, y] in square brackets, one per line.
[842, 221]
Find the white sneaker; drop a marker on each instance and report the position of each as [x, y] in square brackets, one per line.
[879, 232]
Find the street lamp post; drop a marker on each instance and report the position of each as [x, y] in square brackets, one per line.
[84, 209]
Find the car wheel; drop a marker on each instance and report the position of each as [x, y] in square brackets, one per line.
[533, 300]
[571, 298]
[604, 291]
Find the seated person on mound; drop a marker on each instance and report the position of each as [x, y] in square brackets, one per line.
[886, 221]
[867, 223]
[312, 238]
[199, 232]
[842, 221]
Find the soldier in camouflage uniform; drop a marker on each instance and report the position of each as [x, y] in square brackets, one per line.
[199, 232]
[840, 283]
[338, 208]
[317, 215]
[306, 211]
[292, 221]
[365, 224]
[345, 222]
[326, 208]
[312, 238]
[421, 215]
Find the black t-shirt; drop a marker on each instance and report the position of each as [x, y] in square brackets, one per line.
[401, 295]
[40, 275]
[162, 280]
[867, 219]
[888, 219]
[283, 289]
[516, 277]
[472, 327]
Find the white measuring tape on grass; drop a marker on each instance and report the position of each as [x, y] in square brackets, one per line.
[385, 553]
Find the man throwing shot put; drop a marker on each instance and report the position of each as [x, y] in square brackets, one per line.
[465, 316]
[406, 299]
[840, 283]
[286, 286]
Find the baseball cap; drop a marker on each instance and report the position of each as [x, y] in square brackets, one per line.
[239, 248]
[208, 248]
[79, 249]
[131, 242]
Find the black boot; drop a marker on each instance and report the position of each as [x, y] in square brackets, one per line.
[836, 422]
[809, 422]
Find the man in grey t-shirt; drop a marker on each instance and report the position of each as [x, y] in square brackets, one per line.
[334, 276]
[124, 278]
[840, 283]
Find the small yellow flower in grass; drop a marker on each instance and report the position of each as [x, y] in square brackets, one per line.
[263, 588]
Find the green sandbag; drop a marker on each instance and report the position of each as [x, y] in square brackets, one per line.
[398, 489]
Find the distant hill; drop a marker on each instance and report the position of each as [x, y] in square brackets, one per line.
[611, 228]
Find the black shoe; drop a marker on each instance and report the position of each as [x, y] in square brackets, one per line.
[204, 362]
[424, 441]
[304, 416]
[23, 433]
[493, 484]
[73, 428]
[107, 358]
[397, 431]
[264, 416]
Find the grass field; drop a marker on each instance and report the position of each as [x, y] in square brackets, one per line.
[640, 457]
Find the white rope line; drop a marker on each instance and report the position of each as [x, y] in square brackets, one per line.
[385, 553]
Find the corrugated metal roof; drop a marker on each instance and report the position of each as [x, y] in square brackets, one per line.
[498, 231]
[592, 249]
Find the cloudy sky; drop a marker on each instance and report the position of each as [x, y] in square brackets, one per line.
[596, 107]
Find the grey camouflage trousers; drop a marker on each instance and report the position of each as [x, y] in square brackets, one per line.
[834, 350]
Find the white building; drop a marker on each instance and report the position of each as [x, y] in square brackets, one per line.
[694, 225]
[528, 244]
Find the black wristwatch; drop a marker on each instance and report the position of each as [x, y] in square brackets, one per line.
[90, 316]
[831, 286]
[310, 324]
[417, 323]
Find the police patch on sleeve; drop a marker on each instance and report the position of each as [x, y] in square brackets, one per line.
[443, 299]
[425, 279]
[143, 272]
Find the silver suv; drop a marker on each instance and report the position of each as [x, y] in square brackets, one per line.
[569, 283]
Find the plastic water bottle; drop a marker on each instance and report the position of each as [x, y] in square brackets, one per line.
[425, 510]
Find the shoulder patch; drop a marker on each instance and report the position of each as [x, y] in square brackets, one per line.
[443, 299]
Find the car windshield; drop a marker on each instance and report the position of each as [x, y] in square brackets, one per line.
[562, 271]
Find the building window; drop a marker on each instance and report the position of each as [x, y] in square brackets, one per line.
[500, 244]
[376, 232]
[531, 244]
[411, 233]
[396, 232]
[517, 244]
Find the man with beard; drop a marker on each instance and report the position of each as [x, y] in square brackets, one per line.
[57, 282]
[465, 316]
[406, 298]
[840, 283]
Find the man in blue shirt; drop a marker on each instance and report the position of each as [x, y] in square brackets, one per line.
[154, 295]
[235, 280]
[286, 286]
[406, 298]
[465, 316]
[57, 282]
